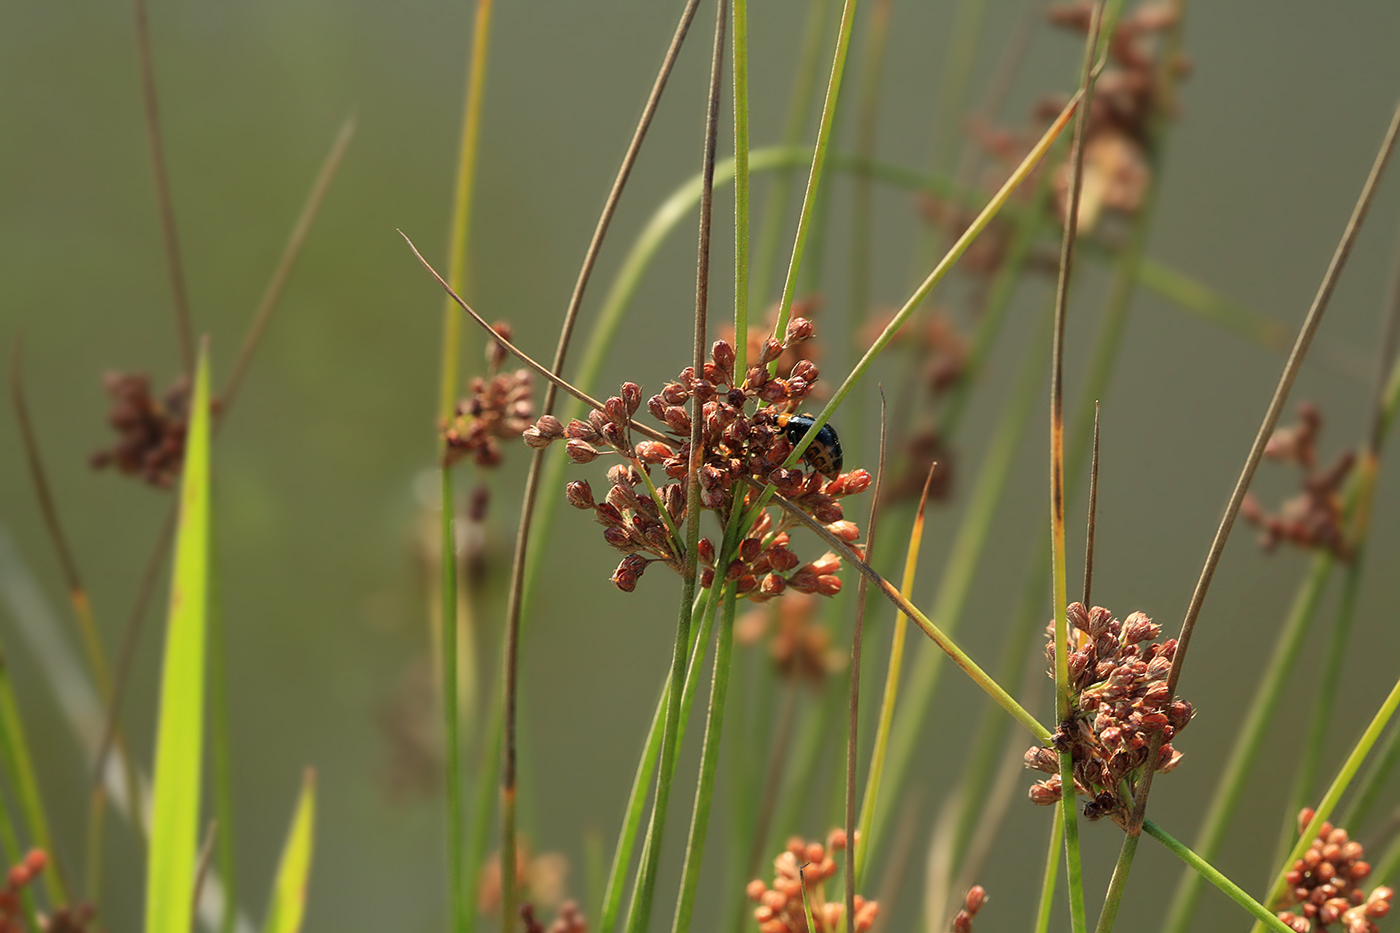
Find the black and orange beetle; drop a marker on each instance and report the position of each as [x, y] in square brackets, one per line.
[824, 453]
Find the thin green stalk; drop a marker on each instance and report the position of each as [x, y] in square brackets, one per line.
[1064, 690]
[814, 176]
[223, 756]
[804, 85]
[862, 210]
[1345, 773]
[19, 764]
[887, 703]
[1249, 739]
[955, 252]
[1118, 884]
[9, 838]
[457, 881]
[463, 199]
[483, 805]
[940, 638]
[741, 185]
[709, 768]
[1309, 757]
[646, 768]
[1263, 917]
[644, 891]
[1050, 874]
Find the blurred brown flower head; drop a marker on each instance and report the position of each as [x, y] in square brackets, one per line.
[810, 865]
[800, 646]
[1324, 886]
[150, 431]
[1119, 693]
[744, 443]
[569, 920]
[499, 407]
[1313, 518]
[976, 897]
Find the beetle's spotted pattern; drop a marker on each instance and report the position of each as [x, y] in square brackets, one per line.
[824, 453]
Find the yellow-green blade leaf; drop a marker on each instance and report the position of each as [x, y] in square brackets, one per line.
[288, 902]
[170, 869]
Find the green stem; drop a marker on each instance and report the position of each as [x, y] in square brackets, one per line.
[463, 197]
[223, 757]
[1249, 740]
[452, 735]
[1118, 883]
[1051, 873]
[804, 84]
[19, 765]
[646, 767]
[709, 768]
[1203, 868]
[1340, 783]
[741, 185]
[814, 175]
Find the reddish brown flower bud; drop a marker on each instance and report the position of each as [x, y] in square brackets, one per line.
[618, 537]
[581, 430]
[805, 370]
[1138, 627]
[631, 397]
[624, 579]
[749, 549]
[678, 420]
[1045, 793]
[675, 394]
[828, 584]
[653, 452]
[846, 531]
[622, 497]
[828, 512]
[772, 585]
[581, 451]
[579, 494]
[770, 351]
[799, 329]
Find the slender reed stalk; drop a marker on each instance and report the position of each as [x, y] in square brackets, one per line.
[871, 801]
[814, 175]
[463, 199]
[165, 204]
[853, 713]
[1052, 866]
[1064, 699]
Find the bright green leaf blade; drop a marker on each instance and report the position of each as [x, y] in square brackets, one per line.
[288, 903]
[170, 869]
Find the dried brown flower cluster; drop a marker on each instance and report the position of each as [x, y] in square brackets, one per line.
[1119, 692]
[807, 864]
[569, 920]
[499, 407]
[976, 897]
[740, 449]
[12, 914]
[1313, 518]
[542, 877]
[1126, 102]
[151, 431]
[1324, 886]
[801, 646]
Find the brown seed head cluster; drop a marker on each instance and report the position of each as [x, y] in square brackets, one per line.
[1324, 886]
[801, 646]
[976, 897]
[1126, 102]
[12, 916]
[807, 864]
[1313, 518]
[569, 920]
[150, 431]
[499, 407]
[740, 448]
[1119, 691]
[542, 877]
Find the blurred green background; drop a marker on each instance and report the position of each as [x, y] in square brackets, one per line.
[322, 592]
